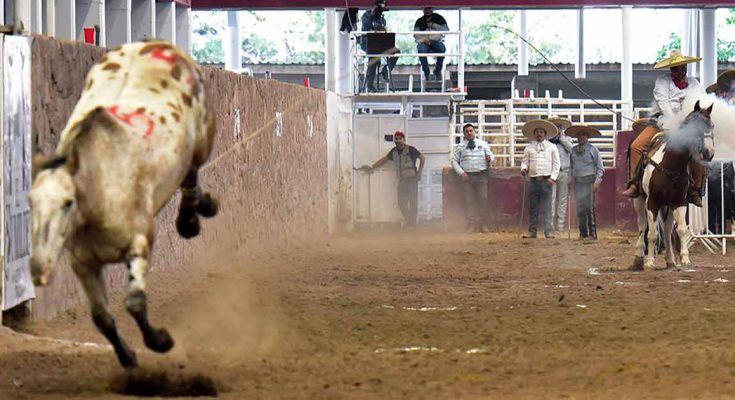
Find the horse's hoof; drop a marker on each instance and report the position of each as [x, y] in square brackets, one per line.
[127, 359]
[160, 341]
[670, 266]
[208, 206]
[189, 227]
[637, 264]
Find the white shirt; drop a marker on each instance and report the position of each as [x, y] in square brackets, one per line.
[668, 98]
[474, 160]
[541, 159]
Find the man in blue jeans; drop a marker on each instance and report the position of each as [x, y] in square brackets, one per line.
[541, 164]
[433, 43]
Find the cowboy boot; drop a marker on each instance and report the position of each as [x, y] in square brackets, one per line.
[694, 197]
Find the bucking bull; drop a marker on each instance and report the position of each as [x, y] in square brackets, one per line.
[139, 132]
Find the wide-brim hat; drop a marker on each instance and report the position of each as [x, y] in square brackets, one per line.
[675, 59]
[724, 79]
[562, 123]
[530, 126]
[576, 130]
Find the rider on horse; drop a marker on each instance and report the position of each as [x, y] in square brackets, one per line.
[669, 93]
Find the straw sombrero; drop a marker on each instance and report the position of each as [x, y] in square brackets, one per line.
[724, 79]
[675, 59]
[531, 126]
[562, 123]
[575, 130]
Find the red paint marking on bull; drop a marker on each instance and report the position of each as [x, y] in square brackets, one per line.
[127, 118]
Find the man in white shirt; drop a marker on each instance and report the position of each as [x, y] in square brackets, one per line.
[541, 164]
[471, 160]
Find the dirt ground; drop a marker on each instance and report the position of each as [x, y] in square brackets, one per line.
[417, 314]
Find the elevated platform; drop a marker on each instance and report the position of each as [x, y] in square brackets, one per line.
[409, 97]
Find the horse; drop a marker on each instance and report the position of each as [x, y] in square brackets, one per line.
[139, 132]
[665, 185]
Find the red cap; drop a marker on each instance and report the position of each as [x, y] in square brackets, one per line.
[399, 133]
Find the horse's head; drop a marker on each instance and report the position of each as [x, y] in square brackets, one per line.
[698, 129]
[53, 201]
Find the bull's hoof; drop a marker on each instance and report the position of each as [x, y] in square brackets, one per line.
[671, 266]
[637, 264]
[188, 227]
[160, 341]
[208, 206]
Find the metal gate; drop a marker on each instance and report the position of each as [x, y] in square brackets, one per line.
[16, 176]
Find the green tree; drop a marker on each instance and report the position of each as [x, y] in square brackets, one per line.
[485, 42]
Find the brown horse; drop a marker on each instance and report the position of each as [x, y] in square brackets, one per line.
[138, 133]
[665, 187]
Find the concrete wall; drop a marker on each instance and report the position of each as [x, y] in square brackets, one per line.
[273, 189]
[506, 195]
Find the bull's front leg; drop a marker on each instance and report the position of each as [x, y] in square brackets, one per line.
[135, 300]
[668, 244]
[640, 245]
[193, 204]
[91, 279]
[682, 229]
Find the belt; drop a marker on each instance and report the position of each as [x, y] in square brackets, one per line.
[477, 172]
[540, 178]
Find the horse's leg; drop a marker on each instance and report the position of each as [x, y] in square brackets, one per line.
[94, 287]
[135, 300]
[640, 207]
[651, 214]
[669, 246]
[682, 229]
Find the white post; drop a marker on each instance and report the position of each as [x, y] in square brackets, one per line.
[118, 20]
[708, 42]
[522, 46]
[166, 21]
[22, 15]
[579, 70]
[143, 19]
[88, 14]
[690, 40]
[344, 61]
[626, 69]
[460, 61]
[36, 16]
[183, 28]
[330, 52]
[232, 44]
[49, 17]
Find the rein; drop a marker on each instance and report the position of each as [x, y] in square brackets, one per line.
[673, 175]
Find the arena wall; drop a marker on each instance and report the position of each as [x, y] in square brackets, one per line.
[272, 189]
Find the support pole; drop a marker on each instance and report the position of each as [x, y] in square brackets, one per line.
[330, 52]
[708, 44]
[626, 69]
[522, 46]
[579, 70]
[232, 47]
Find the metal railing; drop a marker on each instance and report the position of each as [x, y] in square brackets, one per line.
[359, 59]
[499, 122]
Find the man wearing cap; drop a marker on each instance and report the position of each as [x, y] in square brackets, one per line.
[560, 192]
[587, 171]
[404, 157]
[669, 93]
[471, 160]
[541, 164]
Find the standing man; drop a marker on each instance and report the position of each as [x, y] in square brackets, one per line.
[471, 161]
[404, 157]
[431, 43]
[373, 20]
[587, 170]
[560, 192]
[541, 163]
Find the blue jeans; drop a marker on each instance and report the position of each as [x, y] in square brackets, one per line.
[540, 195]
[432, 47]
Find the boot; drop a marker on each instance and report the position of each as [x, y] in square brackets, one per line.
[695, 198]
[631, 191]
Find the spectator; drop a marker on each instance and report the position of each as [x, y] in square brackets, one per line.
[471, 161]
[434, 43]
[541, 164]
[587, 171]
[373, 20]
[404, 158]
[560, 192]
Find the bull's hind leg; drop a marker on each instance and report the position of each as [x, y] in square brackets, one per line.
[193, 204]
[155, 339]
[91, 278]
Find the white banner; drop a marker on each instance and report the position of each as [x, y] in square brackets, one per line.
[16, 159]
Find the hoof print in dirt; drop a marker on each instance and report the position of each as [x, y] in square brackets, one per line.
[163, 384]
